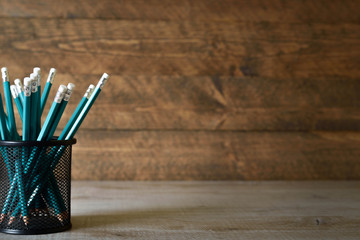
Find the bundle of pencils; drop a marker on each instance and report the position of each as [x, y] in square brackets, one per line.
[32, 184]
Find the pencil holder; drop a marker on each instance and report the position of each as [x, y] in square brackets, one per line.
[35, 185]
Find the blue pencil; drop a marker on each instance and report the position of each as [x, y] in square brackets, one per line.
[52, 113]
[17, 101]
[59, 113]
[37, 73]
[26, 109]
[9, 104]
[34, 107]
[77, 112]
[47, 88]
[87, 107]
[19, 88]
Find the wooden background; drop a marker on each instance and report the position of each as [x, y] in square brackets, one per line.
[200, 89]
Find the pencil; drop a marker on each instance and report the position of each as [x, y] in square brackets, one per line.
[9, 104]
[47, 88]
[26, 109]
[34, 107]
[52, 113]
[59, 113]
[37, 73]
[3, 129]
[19, 88]
[76, 112]
[87, 106]
[17, 101]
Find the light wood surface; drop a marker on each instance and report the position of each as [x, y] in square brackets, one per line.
[212, 210]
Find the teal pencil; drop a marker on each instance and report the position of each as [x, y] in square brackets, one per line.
[77, 111]
[9, 104]
[87, 106]
[17, 101]
[52, 113]
[26, 109]
[64, 102]
[3, 129]
[34, 107]
[37, 73]
[19, 88]
[47, 88]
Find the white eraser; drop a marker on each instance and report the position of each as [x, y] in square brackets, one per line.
[37, 73]
[18, 83]
[27, 81]
[105, 76]
[19, 86]
[14, 91]
[5, 74]
[70, 86]
[62, 88]
[33, 76]
[103, 80]
[51, 76]
[36, 70]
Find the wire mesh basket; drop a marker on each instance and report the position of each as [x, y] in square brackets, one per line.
[35, 186]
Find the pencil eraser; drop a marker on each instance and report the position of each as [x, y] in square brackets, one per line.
[105, 76]
[33, 76]
[36, 70]
[27, 81]
[51, 76]
[62, 88]
[14, 92]
[5, 74]
[70, 86]
[17, 82]
[103, 80]
[37, 73]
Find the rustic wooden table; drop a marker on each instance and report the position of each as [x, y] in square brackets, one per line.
[212, 210]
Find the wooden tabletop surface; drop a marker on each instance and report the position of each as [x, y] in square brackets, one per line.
[212, 210]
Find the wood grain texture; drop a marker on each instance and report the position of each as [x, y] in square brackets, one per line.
[199, 10]
[215, 155]
[182, 48]
[187, 77]
[214, 103]
[212, 210]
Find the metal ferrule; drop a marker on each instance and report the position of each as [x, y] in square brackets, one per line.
[34, 85]
[51, 75]
[5, 74]
[59, 96]
[27, 91]
[103, 80]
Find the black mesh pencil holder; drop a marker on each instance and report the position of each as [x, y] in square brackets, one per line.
[35, 185]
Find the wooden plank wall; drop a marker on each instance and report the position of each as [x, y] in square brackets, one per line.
[199, 89]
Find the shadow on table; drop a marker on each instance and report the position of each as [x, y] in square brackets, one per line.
[143, 217]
